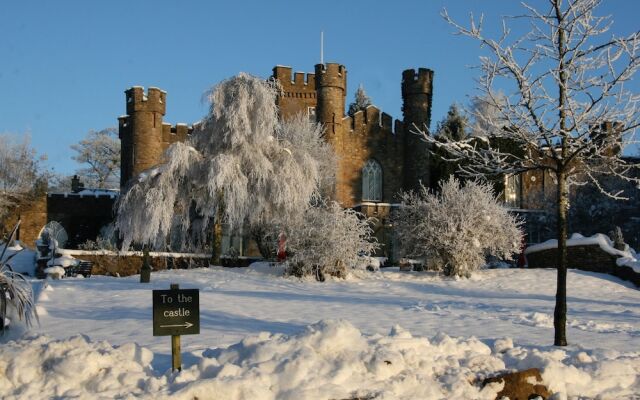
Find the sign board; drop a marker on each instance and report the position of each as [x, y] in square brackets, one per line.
[176, 312]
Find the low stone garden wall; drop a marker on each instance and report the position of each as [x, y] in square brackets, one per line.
[129, 263]
[586, 258]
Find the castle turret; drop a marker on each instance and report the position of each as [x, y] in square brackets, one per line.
[331, 85]
[140, 131]
[417, 89]
[298, 94]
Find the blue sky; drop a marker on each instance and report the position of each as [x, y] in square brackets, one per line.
[64, 65]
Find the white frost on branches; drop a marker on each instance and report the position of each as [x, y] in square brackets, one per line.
[242, 165]
[20, 170]
[551, 92]
[328, 240]
[100, 150]
[457, 227]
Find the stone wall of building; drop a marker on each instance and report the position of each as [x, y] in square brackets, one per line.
[33, 216]
[368, 134]
[81, 215]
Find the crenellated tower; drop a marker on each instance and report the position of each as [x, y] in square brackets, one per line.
[331, 87]
[417, 90]
[298, 93]
[141, 130]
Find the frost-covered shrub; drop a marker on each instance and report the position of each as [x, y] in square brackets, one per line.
[241, 166]
[16, 294]
[328, 240]
[456, 227]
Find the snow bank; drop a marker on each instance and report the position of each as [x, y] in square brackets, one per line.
[329, 359]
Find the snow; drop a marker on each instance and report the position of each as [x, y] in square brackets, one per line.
[389, 334]
[23, 262]
[56, 272]
[63, 261]
[628, 257]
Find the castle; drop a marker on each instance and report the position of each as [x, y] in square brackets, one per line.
[377, 156]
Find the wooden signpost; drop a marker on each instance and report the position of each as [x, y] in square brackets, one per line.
[176, 312]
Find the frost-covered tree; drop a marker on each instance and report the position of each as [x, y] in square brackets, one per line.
[567, 106]
[241, 166]
[328, 240]
[100, 151]
[20, 171]
[486, 115]
[360, 102]
[457, 227]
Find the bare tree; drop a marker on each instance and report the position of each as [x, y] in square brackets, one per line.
[100, 150]
[566, 107]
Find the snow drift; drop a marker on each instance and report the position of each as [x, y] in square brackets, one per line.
[329, 359]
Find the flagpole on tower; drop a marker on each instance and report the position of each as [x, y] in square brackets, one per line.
[321, 47]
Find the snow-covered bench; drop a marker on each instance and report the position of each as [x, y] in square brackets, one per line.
[82, 268]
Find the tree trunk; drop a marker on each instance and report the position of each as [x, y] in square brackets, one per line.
[560, 313]
[216, 243]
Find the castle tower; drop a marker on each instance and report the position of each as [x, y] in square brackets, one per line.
[331, 86]
[140, 131]
[298, 95]
[417, 89]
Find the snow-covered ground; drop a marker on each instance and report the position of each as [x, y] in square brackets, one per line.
[390, 334]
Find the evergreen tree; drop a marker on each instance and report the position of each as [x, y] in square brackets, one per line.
[454, 125]
[361, 101]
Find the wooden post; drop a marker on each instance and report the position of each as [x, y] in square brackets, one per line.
[176, 362]
[176, 358]
[145, 271]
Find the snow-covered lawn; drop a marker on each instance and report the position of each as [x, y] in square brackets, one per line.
[390, 334]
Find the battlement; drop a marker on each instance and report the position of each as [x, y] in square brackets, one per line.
[154, 100]
[417, 83]
[370, 117]
[175, 133]
[302, 81]
[331, 74]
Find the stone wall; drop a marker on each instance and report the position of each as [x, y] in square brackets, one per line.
[82, 216]
[586, 258]
[367, 135]
[33, 216]
[112, 264]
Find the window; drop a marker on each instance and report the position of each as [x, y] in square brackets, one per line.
[311, 112]
[372, 181]
[513, 191]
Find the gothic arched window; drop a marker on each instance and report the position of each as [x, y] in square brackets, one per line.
[372, 181]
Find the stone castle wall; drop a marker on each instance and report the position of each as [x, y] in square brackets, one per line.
[82, 216]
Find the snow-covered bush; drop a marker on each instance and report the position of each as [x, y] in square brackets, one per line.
[328, 240]
[242, 166]
[457, 227]
[16, 295]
